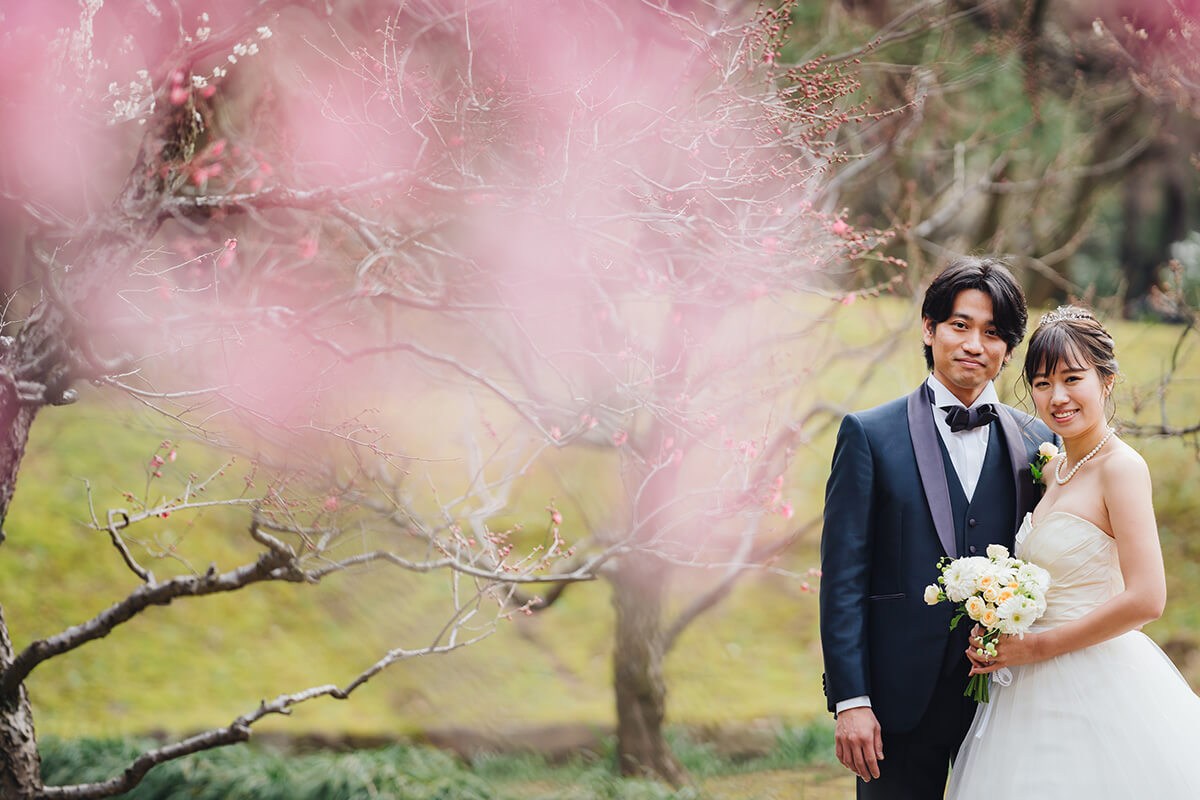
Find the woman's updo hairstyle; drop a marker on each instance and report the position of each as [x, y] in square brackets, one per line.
[1065, 334]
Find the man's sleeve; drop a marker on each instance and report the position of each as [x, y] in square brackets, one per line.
[846, 565]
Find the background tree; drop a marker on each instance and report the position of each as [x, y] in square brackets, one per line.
[131, 202]
[1055, 132]
[286, 230]
[637, 238]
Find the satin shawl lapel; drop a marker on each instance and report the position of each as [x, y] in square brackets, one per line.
[1016, 454]
[931, 468]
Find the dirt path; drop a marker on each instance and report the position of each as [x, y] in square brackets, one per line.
[815, 783]
[818, 783]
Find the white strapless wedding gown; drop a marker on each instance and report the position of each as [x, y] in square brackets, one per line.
[1115, 720]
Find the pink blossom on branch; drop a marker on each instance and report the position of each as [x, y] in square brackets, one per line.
[591, 223]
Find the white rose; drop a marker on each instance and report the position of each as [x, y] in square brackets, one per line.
[1047, 450]
[932, 594]
[997, 551]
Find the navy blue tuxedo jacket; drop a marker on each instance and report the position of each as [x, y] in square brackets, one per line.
[888, 521]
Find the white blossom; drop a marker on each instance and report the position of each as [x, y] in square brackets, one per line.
[1017, 614]
[1031, 575]
[961, 575]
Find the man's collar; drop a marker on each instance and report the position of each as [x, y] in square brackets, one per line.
[944, 397]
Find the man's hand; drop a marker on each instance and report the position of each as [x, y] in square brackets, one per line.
[859, 742]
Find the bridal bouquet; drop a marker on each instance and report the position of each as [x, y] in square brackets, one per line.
[1004, 595]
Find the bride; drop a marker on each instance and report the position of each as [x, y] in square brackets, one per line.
[1084, 706]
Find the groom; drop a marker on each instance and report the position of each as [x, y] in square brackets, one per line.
[941, 472]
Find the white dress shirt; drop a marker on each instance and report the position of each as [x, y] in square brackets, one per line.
[967, 450]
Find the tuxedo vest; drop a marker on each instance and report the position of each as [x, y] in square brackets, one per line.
[986, 519]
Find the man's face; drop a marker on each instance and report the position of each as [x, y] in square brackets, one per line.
[967, 348]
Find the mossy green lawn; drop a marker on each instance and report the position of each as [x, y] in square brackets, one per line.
[798, 763]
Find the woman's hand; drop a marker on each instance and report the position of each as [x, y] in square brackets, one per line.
[1011, 651]
[973, 645]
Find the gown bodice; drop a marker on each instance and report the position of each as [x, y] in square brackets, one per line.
[1111, 721]
[1082, 560]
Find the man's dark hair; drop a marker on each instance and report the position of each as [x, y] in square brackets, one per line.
[988, 276]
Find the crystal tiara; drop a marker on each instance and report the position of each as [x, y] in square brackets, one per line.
[1063, 313]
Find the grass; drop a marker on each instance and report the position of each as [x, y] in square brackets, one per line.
[251, 773]
[754, 659]
[797, 757]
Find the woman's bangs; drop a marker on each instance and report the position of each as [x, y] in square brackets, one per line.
[1051, 346]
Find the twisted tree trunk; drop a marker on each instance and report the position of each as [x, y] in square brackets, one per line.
[20, 765]
[30, 372]
[639, 588]
[53, 349]
[20, 772]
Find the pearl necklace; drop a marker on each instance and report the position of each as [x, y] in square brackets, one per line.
[1058, 470]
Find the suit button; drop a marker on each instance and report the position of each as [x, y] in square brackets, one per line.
[972, 522]
[972, 549]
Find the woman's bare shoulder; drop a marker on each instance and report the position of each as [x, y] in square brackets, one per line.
[1124, 466]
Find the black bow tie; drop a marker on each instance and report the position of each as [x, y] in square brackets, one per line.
[960, 419]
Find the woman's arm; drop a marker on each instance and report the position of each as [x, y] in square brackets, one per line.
[1125, 483]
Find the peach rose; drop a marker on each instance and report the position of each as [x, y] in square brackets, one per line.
[974, 607]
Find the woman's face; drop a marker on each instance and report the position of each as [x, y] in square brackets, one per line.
[1071, 399]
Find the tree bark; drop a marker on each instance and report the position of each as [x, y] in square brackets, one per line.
[639, 589]
[15, 421]
[37, 368]
[640, 581]
[1108, 143]
[1155, 193]
[20, 765]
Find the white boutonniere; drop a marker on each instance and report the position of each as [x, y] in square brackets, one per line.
[1045, 452]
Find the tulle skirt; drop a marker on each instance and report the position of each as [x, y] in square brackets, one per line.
[1116, 720]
